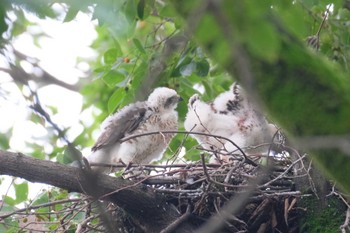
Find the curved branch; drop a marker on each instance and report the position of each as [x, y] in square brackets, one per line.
[141, 202]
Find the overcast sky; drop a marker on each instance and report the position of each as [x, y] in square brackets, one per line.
[58, 53]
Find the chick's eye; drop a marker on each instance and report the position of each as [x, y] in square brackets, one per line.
[169, 101]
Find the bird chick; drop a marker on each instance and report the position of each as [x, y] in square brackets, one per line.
[155, 114]
[231, 115]
[204, 118]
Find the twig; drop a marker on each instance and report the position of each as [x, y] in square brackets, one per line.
[314, 41]
[249, 161]
[283, 173]
[323, 21]
[176, 223]
[340, 196]
[83, 224]
[7, 191]
[205, 169]
[346, 222]
[27, 209]
[163, 166]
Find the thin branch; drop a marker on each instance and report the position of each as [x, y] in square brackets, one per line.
[249, 161]
[178, 221]
[205, 169]
[283, 173]
[346, 222]
[323, 21]
[37, 107]
[26, 209]
[83, 224]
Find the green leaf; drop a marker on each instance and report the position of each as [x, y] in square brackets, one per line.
[41, 199]
[101, 69]
[192, 153]
[10, 225]
[188, 69]
[111, 55]
[115, 99]
[263, 41]
[3, 24]
[21, 192]
[19, 26]
[138, 45]
[53, 227]
[60, 158]
[141, 9]
[113, 77]
[130, 11]
[69, 155]
[221, 48]
[139, 74]
[202, 68]
[4, 141]
[38, 154]
[71, 14]
[9, 200]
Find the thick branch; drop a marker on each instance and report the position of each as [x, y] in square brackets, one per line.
[141, 202]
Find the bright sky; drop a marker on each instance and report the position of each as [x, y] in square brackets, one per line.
[58, 53]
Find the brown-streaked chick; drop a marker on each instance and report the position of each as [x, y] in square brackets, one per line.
[155, 114]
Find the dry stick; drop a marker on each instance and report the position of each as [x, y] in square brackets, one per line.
[170, 228]
[283, 173]
[47, 213]
[155, 45]
[190, 165]
[72, 208]
[129, 186]
[347, 217]
[204, 127]
[81, 209]
[218, 193]
[82, 224]
[178, 150]
[307, 170]
[7, 191]
[205, 169]
[323, 21]
[180, 191]
[37, 107]
[215, 222]
[272, 139]
[228, 176]
[246, 159]
[209, 179]
[312, 183]
[35, 223]
[232, 217]
[149, 177]
[218, 213]
[346, 222]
